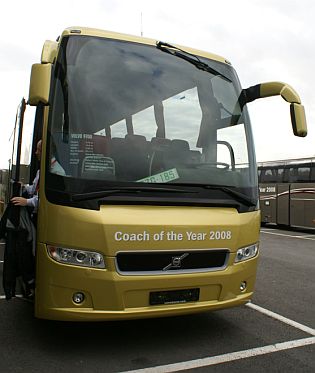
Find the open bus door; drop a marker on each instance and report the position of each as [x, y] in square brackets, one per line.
[16, 227]
[283, 204]
[14, 172]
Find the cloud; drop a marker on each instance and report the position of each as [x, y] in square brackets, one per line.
[15, 57]
[269, 40]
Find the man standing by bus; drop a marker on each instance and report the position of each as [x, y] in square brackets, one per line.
[32, 189]
[19, 255]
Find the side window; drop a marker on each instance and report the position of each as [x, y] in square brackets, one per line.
[21, 147]
[17, 142]
[27, 152]
[118, 129]
[268, 177]
[182, 115]
[280, 174]
[292, 174]
[235, 136]
[144, 123]
[298, 173]
[22, 144]
[4, 178]
[312, 175]
[304, 173]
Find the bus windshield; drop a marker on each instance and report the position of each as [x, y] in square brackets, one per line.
[126, 114]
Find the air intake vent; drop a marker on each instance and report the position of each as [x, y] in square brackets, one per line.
[166, 262]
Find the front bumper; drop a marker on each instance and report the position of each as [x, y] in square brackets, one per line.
[111, 296]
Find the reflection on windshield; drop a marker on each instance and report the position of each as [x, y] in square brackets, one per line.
[126, 112]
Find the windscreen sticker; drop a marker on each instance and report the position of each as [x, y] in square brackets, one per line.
[162, 177]
[98, 163]
[216, 235]
[77, 147]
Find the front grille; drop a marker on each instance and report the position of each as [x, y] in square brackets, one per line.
[166, 262]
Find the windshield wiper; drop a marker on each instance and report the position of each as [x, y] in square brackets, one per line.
[107, 192]
[240, 197]
[189, 57]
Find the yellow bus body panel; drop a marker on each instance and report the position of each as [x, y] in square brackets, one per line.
[86, 31]
[110, 295]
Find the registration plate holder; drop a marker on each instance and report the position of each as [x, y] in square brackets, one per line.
[174, 296]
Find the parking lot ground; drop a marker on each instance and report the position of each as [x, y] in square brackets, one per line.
[232, 358]
[274, 333]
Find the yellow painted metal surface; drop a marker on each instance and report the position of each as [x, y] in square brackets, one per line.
[136, 39]
[49, 51]
[115, 228]
[279, 88]
[110, 295]
[40, 84]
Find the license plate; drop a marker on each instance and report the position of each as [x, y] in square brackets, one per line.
[162, 177]
[174, 296]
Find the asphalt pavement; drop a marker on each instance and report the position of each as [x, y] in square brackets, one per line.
[274, 333]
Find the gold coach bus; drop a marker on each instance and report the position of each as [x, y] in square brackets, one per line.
[153, 208]
[287, 192]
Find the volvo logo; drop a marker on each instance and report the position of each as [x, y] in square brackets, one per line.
[176, 262]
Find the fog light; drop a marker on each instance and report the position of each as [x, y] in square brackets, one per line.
[78, 298]
[243, 286]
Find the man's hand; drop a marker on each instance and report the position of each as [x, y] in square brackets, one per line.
[19, 201]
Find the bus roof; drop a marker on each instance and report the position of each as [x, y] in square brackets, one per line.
[286, 162]
[135, 39]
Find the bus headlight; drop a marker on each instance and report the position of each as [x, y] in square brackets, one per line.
[245, 253]
[76, 257]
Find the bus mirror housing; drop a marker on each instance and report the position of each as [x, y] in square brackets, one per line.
[298, 119]
[49, 52]
[284, 90]
[40, 84]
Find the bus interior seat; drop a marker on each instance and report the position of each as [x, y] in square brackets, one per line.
[168, 153]
[159, 144]
[177, 154]
[119, 154]
[157, 148]
[101, 145]
[195, 157]
[138, 157]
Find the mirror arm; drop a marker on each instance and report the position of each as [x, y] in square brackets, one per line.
[284, 90]
[249, 94]
[268, 90]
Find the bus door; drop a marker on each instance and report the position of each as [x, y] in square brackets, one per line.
[20, 169]
[310, 209]
[267, 206]
[268, 193]
[302, 206]
[15, 168]
[302, 201]
[283, 204]
[297, 205]
[309, 205]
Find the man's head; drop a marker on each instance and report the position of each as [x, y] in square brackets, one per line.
[38, 150]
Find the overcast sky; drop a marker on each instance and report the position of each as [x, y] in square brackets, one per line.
[270, 40]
